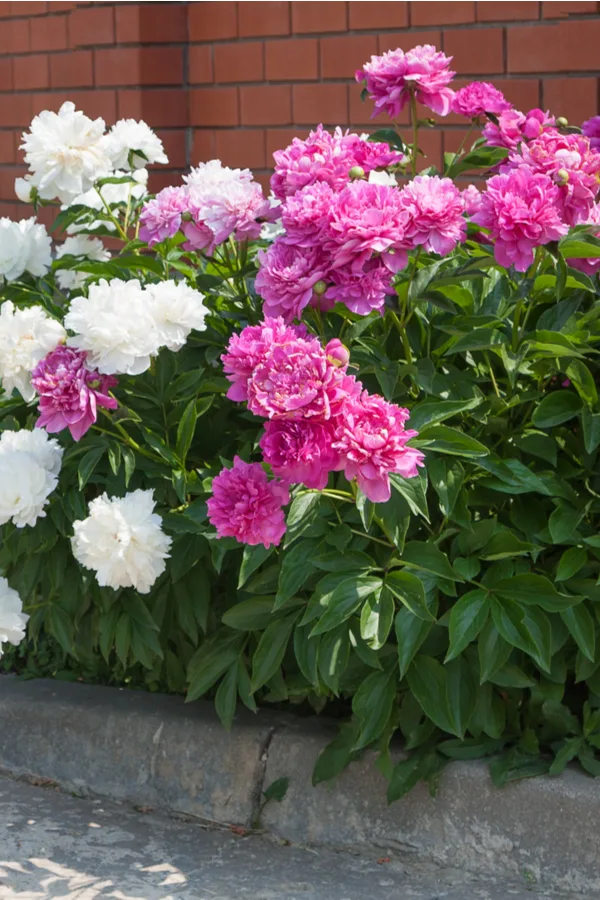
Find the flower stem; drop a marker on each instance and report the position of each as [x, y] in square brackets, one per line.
[371, 538]
[486, 356]
[113, 219]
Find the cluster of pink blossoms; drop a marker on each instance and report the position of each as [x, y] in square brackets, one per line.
[347, 245]
[216, 202]
[391, 78]
[514, 126]
[319, 420]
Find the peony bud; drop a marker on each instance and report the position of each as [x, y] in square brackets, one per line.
[23, 190]
[562, 176]
[337, 354]
[319, 288]
[562, 122]
[356, 173]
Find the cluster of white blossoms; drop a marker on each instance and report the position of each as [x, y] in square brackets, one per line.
[24, 247]
[12, 618]
[121, 324]
[84, 247]
[122, 541]
[26, 337]
[29, 467]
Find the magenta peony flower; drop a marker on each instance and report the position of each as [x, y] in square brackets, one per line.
[296, 380]
[472, 199]
[247, 506]
[367, 219]
[514, 126]
[521, 209]
[286, 278]
[160, 218]
[478, 98]
[435, 214]
[390, 78]
[372, 442]
[589, 266]
[361, 292]
[249, 348]
[591, 130]
[300, 451]
[69, 392]
[568, 160]
[305, 215]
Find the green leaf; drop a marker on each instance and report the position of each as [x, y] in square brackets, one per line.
[210, 661]
[252, 559]
[430, 412]
[583, 380]
[478, 339]
[582, 628]
[461, 693]
[335, 757]
[568, 750]
[427, 680]
[505, 545]
[303, 512]
[411, 633]
[447, 477]
[570, 563]
[493, 651]
[413, 490]
[408, 772]
[277, 790]
[429, 558]
[226, 697]
[529, 630]
[410, 591]
[250, 615]
[269, 654]
[467, 618]
[295, 569]
[377, 618]
[533, 590]
[185, 430]
[590, 423]
[345, 600]
[579, 246]
[388, 136]
[563, 522]
[305, 651]
[556, 408]
[333, 655]
[442, 439]
[88, 464]
[372, 705]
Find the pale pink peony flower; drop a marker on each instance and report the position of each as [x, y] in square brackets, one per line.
[70, 392]
[286, 278]
[521, 209]
[300, 451]
[472, 199]
[160, 218]
[371, 440]
[478, 98]
[514, 126]
[296, 380]
[361, 292]
[249, 348]
[305, 215]
[247, 506]
[568, 160]
[590, 266]
[390, 78]
[591, 130]
[435, 214]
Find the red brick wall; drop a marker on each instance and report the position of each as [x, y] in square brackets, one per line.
[239, 80]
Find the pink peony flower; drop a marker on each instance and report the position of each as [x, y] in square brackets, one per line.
[390, 78]
[296, 380]
[361, 292]
[305, 215]
[250, 347]
[514, 126]
[435, 214]
[160, 218]
[478, 98]
[337, 353]
[589, 266]
[472, 199]
[591, 130]
[521, 209]
[69, 392]
[568, 160]
[367, 219]
[372, 442]
[247, 506]
[286, 278]
[300, 451]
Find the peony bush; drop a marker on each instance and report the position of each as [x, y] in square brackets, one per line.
[334, 448]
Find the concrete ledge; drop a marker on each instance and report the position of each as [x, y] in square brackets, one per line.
[156, 751]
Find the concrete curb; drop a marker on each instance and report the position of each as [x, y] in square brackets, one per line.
[155, 751]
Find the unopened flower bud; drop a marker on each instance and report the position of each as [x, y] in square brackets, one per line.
[319, 288]
[562, 176]
[337, 354]
[562, 122]
[186, 217]
[356, 173]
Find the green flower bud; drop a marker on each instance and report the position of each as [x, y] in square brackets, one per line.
[319, 288]
[562, 176]
[356, 172]
[562, 122]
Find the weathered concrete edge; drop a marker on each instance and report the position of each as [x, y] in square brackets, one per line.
[155, 751]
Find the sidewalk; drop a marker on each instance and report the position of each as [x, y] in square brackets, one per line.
[53, 845]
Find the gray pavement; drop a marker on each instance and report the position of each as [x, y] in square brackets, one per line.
[59, 846]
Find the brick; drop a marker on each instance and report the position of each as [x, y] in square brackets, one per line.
[524, 93]
[319, 16]
[91, 25]
[442, 13]
[7, 180]
[278, 139]
[121, 66]
[15, 109]
[174, 143]
[7, 147]
[243, 148]
[342, 56]
[5, 9]
[14, 36]
[430, 142]
[314, 103]
[212, 21]
[203, 147]
[31, 71]
[378, 15]
[94, 103]
[200, 65]
[6, 73]
[151, 23]
[49, 33]
[292, 60]
[11, 210]
[72, 69]
[167, 108]
[408, 39]
[62, 6]
[264, 179]
[239, 62]
[572, 8]
[214, 106]
[507, 11]
[30, 9]
[452, 138]
[160, 179]
[267, 104]
[574, 98]
[475, 52]
[259, 18]
[569, 47]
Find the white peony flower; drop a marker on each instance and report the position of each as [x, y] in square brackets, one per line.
[213, 173]
[12, 618]
[176, 310]
[127, 137]
[23, 189]
[29, 467]
[24, 247]
[80, 245]
[114, 325]
[122, 541]
[382, 178]
[65, 154]
[26, 337]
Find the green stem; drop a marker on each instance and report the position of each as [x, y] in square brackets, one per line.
[371, 538]
[486, 356]
[126, 437]
[415, 131]
[113, 219]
